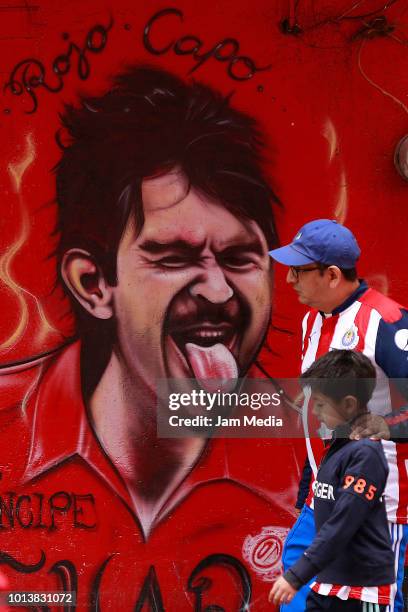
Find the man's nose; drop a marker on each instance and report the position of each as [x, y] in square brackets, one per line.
[290, 277]
[212, 285]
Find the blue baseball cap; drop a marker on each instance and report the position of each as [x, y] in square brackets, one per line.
[323, 241]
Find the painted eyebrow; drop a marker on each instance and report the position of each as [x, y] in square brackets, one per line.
[249, 247]
[154, 247]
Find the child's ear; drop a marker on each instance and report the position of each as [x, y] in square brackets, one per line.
[349, 406]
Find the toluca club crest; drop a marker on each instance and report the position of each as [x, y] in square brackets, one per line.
[263, 552]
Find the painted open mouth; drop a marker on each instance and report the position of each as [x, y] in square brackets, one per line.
[205, 335]
[209, 351]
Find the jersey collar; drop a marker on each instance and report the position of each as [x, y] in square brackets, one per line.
[61, 430]
[362, 288]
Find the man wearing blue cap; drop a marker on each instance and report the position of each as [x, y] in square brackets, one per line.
[347, 314]
[318, 246]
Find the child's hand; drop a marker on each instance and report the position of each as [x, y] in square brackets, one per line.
[281, 592]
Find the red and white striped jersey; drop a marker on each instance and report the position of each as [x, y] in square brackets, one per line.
[381, 595]
[378, 327]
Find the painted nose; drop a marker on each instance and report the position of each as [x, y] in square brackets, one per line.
[212, 286]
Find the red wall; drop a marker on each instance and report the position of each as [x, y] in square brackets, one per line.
[331, 104]
[315, 87]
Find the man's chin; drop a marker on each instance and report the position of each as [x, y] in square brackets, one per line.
[303, 300]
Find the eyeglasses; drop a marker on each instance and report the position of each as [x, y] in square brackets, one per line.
[295, 270]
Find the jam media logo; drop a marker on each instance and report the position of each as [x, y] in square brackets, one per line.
[350, 338]
[263, 552]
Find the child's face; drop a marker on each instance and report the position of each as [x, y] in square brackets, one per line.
[328, 411]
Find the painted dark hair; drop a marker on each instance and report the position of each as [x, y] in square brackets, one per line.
[149, 122]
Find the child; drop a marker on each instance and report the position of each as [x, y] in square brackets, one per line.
[351, 553]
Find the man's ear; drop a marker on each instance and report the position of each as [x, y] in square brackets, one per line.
[335, 275]
[85, 280]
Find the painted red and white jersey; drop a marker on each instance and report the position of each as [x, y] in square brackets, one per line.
[378, 327]
[381, 595]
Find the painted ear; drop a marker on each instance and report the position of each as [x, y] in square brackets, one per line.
[85, 280]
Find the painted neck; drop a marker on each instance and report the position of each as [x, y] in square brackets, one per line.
[124, 417]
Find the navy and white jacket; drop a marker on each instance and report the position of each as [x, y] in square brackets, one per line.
[352, 544]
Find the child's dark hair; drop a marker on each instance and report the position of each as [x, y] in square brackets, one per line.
[339, 373]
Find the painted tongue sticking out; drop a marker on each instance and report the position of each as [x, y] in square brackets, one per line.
[214, 366]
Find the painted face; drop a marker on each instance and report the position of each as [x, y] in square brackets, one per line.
[327, 410]
[310, 284]
[193, 297]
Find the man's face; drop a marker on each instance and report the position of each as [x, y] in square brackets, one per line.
[310, 283]
[193, 296]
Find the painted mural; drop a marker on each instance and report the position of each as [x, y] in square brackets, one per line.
[151, 155]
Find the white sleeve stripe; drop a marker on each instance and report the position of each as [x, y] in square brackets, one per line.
[304, 328]
[307, 392]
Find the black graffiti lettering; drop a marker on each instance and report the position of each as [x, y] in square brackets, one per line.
[23, 568]
[150, 596]
[216, 53]
[150, 593]
[30, 74]
[8, 510]
[239, 67]
[26, 76]
[35, 512]
[182, 45]
[146, 33]
[78, 510]
[248, 64]
[234, 44]
[55, 507]
[83, 66]
[199, 584]
[97, 38]
[65, 570]
[95, 605]
[61, 65]
[23, 513]
[198, 588]
[68, 576]
[40, 524]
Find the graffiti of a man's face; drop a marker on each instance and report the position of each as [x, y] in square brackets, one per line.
[194, 287]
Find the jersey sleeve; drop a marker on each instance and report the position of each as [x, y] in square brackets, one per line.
[361, 487]
[391, 347]
[391, 354]
[398, 425]
[304, 484]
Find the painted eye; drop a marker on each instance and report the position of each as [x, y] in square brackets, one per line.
[174, 261]
[237, 261]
